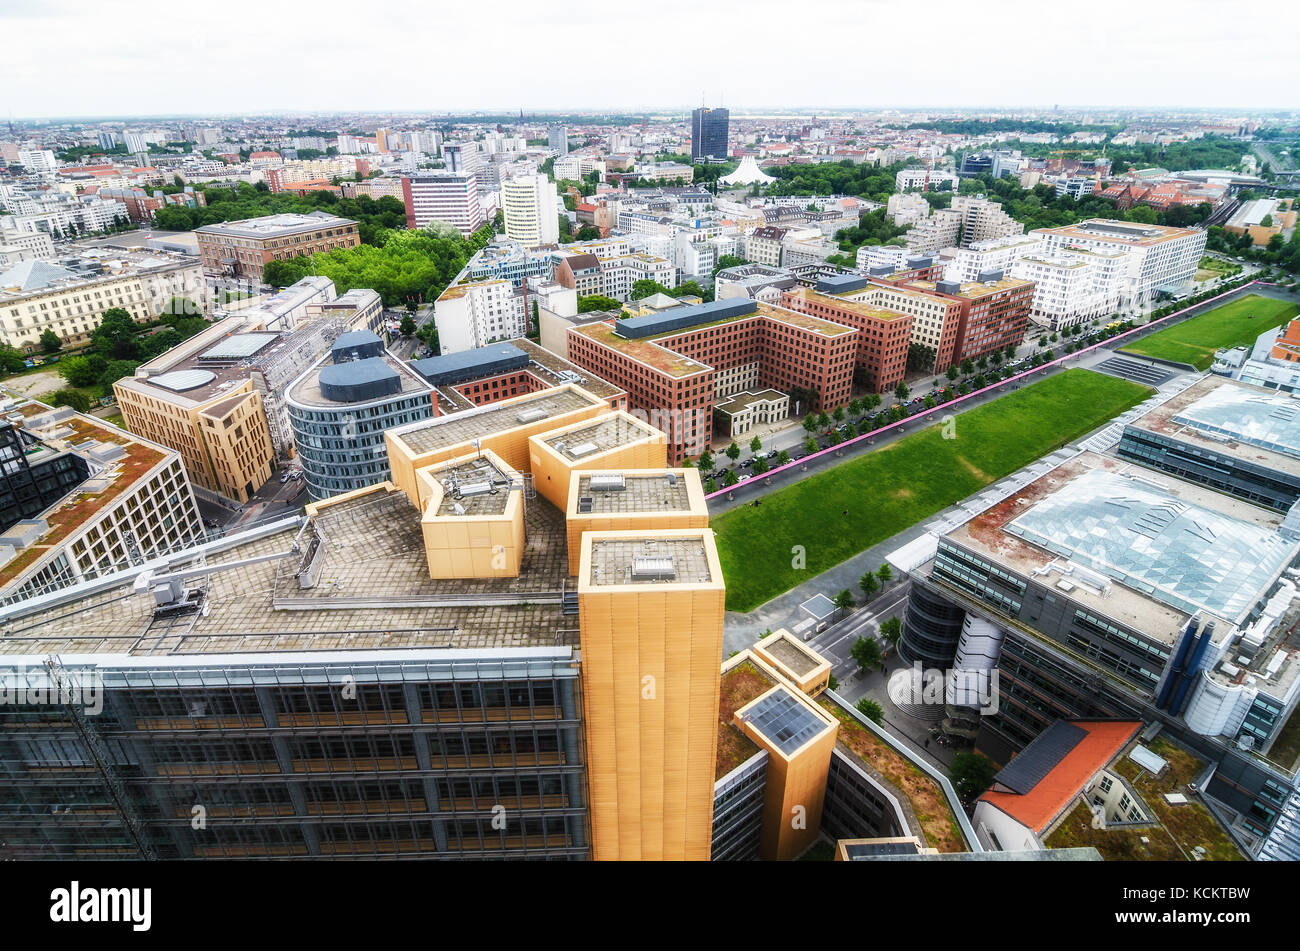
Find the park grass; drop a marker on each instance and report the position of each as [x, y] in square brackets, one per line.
[1236, 323]
[845, 510]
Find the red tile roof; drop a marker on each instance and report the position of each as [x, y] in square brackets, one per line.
[1058, 789]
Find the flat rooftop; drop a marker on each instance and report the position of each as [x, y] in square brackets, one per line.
[639, 493]
[740, 401]
[443, 432]
[1171, 548]
[372, 592]
[973, 290]
[854, 307]
[791, 655]
[306, 390]
[1254, 425]
[469, 477]
[600, 436]
[274, 226]
[643, 350]
[654, 559]
[1122, 232]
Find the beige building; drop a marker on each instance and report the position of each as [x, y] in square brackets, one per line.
[36, 296]
[199, 400]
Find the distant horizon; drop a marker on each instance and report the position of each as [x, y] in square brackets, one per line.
[669, 113]
[78, 60]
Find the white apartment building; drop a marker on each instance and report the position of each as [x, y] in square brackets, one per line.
[983, 220]
[931, 235]
[574, 166]
[940, 179]
[882, 255]
[764, 246]
[530, 205]
[1160, 259]
[907, 209]
[38, 161]
[452, 199]
[462, 158]
[997, 254]
[1073, 287]
[475, 314]
[37, 244]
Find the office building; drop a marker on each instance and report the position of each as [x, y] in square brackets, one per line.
[83, 498]
[557, 139]
[340, 408]
[1074, 287]
[450, 199]
[983, 220]
[1161, 260]
[243, 248]
[710, 129]
[1098, 589]
[675, 364]
[199, 400]
[883, 335]
[1235, 438]
[530, 205]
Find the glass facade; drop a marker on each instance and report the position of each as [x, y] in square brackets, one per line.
[342, 447]
[419, 759]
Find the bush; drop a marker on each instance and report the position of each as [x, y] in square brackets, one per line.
[74, 398]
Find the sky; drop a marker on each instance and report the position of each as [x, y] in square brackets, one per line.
[144, 57]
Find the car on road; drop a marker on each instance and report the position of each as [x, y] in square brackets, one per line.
[773, 454]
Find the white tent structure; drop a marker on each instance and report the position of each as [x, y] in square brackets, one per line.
[747, 174]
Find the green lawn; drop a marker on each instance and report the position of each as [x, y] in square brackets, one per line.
[885, 491]
[1234, 324]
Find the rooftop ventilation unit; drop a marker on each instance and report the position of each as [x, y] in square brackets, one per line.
[672, 478]
[583, 449]
[653, 568]
[608, 482]
[584, 504]
[471, 489]
[531, 415]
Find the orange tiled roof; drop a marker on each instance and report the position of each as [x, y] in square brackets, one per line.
[1057, 790]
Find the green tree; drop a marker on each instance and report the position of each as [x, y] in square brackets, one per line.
[710, 486]
[588, 233]
[730, 479]
[50, 341]
[74, 398]
[871, 710]
[760, 465]
[782, 457]
[838, 415]
[810, 423]
[115, 337]
[953, 373]
[866, 653]
[407, 327]
[83, 371]
[844, 600]
[810, 445]
[733, 452]
[726, 261]
[706, 461]
[891, 629]
[971, 774]
[885, 575]
[116, 370]
[901, 391]
[869, 584]
[755, 444]
[597, 302]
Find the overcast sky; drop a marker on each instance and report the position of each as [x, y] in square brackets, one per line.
[144, 57]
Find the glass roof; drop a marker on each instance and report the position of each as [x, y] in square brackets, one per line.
[784, 721]
[1259, 419]
[1186, 556]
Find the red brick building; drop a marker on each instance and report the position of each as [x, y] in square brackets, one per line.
[673, 364]
[883, 335]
